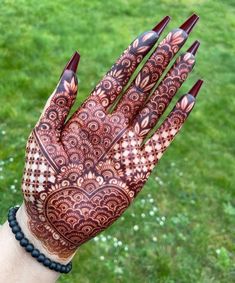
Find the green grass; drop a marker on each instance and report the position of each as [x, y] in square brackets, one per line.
[185, 214]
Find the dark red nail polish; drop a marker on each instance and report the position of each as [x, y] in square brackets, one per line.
[188, 25]
[161, 26]
[72, 63]
[194, 47]
[195, 89]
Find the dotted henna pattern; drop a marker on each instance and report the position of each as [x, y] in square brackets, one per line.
[81, 175]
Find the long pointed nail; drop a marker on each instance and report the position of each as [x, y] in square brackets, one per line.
[194, 47]
[161, 26]
[195, 89]
[72, 63]
[188, 25]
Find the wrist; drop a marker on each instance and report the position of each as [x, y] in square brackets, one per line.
[24, 222]
[19, 266]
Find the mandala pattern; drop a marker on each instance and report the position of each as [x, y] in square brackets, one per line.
[81, 175]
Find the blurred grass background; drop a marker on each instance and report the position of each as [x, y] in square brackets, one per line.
[181, 227]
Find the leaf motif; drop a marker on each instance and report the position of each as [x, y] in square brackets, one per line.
[177, 37]
[177, 34]
[144, 82]
[187, 56]
[148, 35]
[190, 106]
[136, 43]
[142, 49]
[137, 128]
[184, 103]
[138, 79]
[149, 86]
[144, 132]
[118, 73]
[145, 121]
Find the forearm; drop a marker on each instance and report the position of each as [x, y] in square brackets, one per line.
[17, 265]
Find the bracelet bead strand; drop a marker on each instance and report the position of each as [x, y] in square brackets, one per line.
[35, 253]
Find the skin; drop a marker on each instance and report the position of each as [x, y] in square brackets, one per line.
[80, 175]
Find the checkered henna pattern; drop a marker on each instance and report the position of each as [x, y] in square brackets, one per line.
[81, 174]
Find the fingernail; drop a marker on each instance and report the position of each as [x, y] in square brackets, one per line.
[161, 26]
[72, 63]
[195, 89]
[194, 47]
[188, 25]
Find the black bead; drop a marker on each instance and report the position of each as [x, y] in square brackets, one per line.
[19, 236]
[58, 267]
[41, 258]
[46, 262]
[24, 242]
[16, 229]
[29, 248]
[12, 223]
[52, 265]
[11, 217]
[35, 253]
[68, 268]
[12, 210]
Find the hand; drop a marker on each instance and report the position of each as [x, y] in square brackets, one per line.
[82, 174]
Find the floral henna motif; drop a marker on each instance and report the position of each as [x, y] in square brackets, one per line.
[79, 203]
[114, 81]
[102, 129]
[148, 76]
[161, 98]
[81, 175]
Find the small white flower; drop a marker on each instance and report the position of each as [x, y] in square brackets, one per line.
[155, 208]
[151, 200]
[154, 239]
[11, 159]
[161, 223]
[119, 243]
[126, 248]
[142, 215]
[101, 257]
[143, 201]
[3, 132]
[151, 212]
[103, 238]
[136, 228]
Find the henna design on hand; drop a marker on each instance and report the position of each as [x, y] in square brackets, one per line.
[81, 175]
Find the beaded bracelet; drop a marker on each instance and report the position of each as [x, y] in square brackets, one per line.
[24, 242]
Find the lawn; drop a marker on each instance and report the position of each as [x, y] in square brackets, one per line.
[181, 227]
